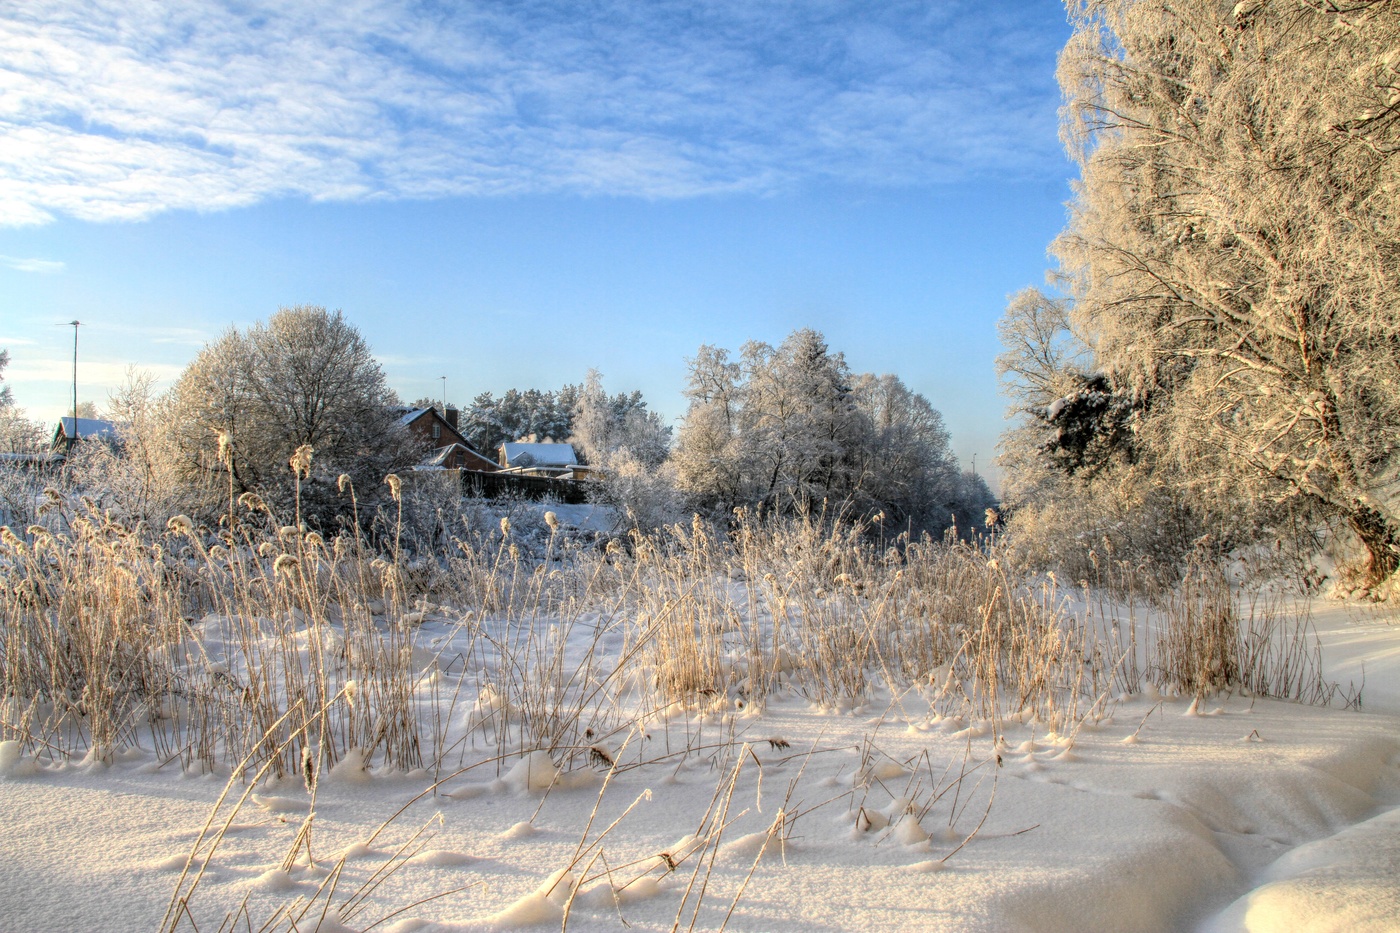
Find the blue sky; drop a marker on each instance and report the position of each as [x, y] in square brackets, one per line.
[511, 193]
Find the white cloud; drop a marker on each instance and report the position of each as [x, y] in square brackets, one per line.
[115, 110]
[91, 373]
[42, 266]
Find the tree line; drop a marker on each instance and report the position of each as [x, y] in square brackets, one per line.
[790, 428]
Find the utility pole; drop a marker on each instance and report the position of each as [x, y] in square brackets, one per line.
[444, 396]
[74, 324]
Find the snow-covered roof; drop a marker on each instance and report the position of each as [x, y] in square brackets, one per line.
[409, 417]
[540, 454]
[87, 427]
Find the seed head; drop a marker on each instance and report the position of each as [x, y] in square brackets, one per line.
[225, 447]
[301, 461]
[308, 768]
[552, 521]
[395, 486]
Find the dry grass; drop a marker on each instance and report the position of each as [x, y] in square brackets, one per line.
[196, 641]
[259, 649]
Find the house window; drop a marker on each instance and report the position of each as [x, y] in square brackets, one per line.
[437, 431]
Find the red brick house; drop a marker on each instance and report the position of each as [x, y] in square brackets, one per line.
[443, 444]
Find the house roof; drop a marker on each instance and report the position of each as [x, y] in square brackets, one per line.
[87, 427]
[540, 454]
[440, 455]
[411, 416]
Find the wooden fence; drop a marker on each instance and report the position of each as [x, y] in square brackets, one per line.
[504, 485]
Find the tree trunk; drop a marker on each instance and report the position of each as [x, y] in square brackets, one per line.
[1379, 538]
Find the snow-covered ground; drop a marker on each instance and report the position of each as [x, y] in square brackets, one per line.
[1235, 814]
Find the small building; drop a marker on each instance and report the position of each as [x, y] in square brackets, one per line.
[70, 431]
[443, 443]
[538, 459]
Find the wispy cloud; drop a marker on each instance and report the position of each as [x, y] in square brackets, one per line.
[91, 373]
[178, 336]
[42, 266]
[110, 109]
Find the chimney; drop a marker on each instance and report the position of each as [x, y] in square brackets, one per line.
[450, 415]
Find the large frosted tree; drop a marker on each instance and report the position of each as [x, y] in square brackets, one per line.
[1233, 253]
[306, 376]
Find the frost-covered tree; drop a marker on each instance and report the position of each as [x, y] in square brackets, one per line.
[800, 424]
[1066, 418]
[18, 433]
[306, 376]
[630, 444]
[708, 456]
[1233, 252]
[791, 427]
[905, 464]
[489, 422]
[604, 425]
[138, 477]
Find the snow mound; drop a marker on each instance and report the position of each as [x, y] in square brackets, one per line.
[280, 804]
[275, 881]
[543, 905]
[535, 772]
[752, 846]
[1350, 881]
[13, 762]
[352, 768]
[521, 830]
[440, 858]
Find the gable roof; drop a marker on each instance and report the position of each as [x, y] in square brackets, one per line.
[413, 415]
[440, 456]
[86, 427]
[540, 454]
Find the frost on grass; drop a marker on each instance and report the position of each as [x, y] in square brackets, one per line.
[708, 725]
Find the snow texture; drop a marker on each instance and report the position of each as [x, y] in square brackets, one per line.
[1252, 815]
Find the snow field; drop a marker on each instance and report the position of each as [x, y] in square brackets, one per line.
[1150, 835]
[794, 731]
